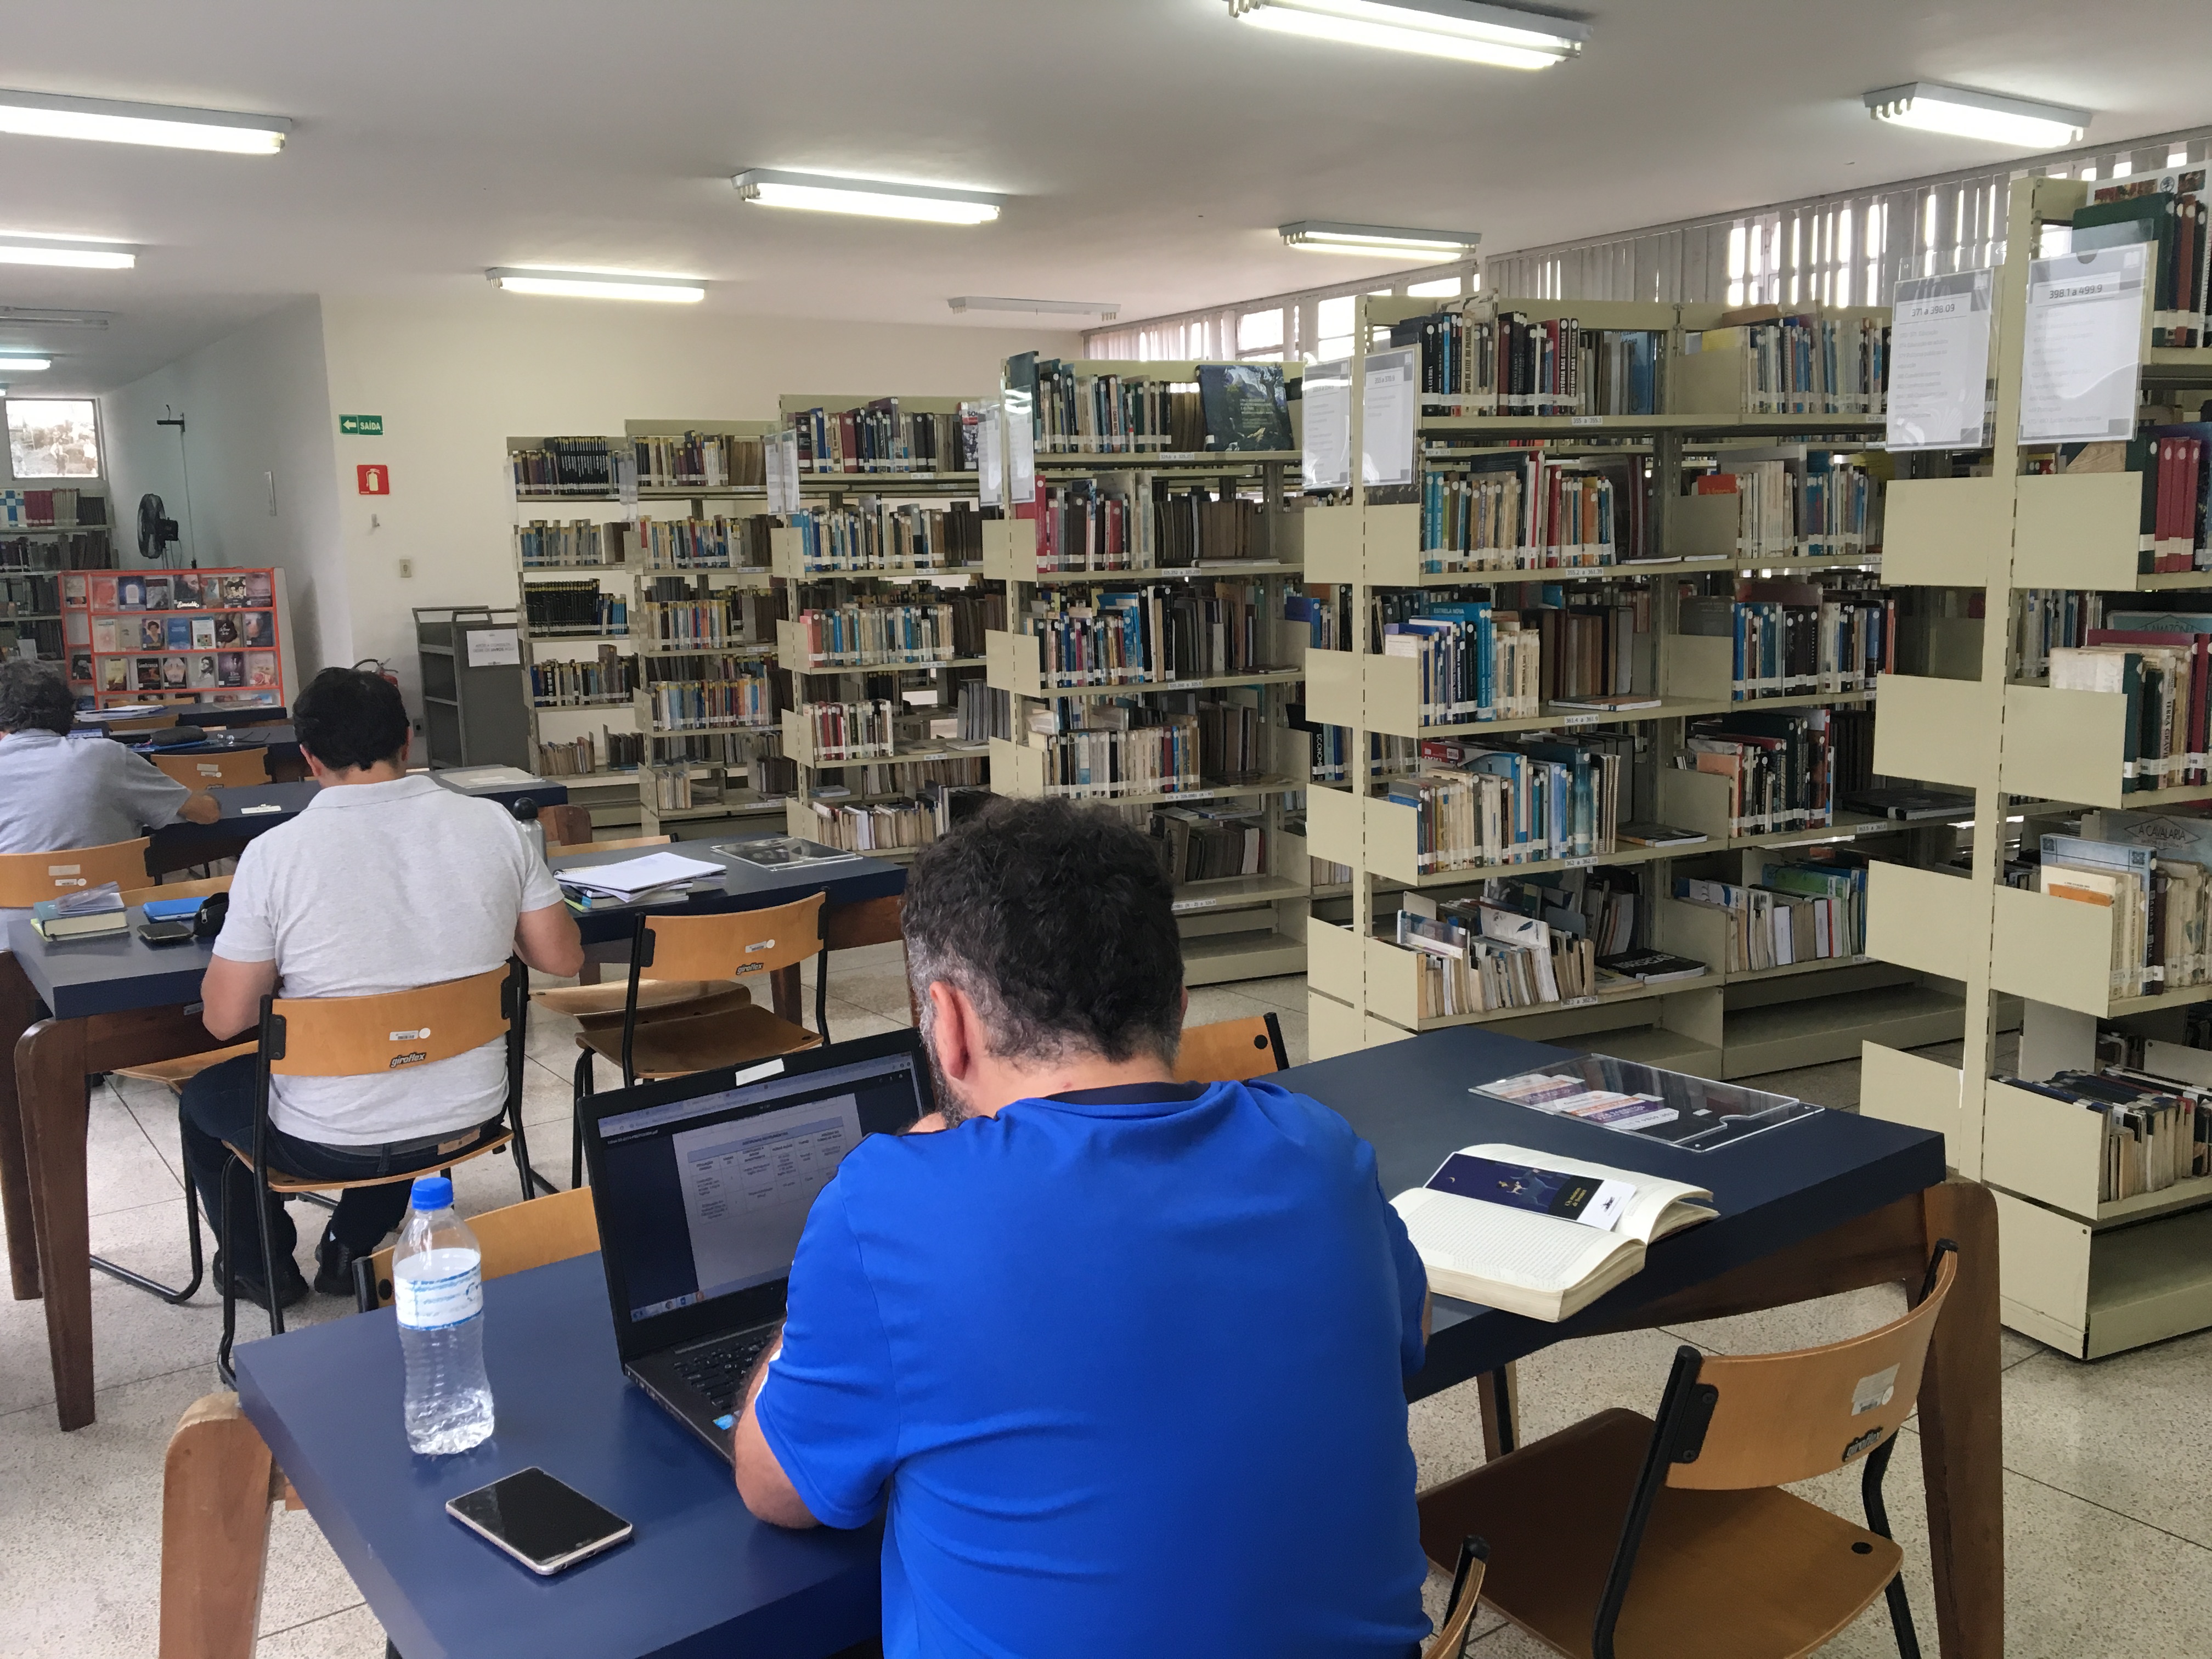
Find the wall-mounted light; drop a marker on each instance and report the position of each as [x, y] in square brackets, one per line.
[23, 365]
[52, 115]
[598, 284]
[874, 198]
[1962, 114]
[1381, 242]
[1473, 32]
[1108, 309]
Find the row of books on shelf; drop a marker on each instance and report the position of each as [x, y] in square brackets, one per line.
[582, 756]
[1477, 663]
[879, 436]
[1476, 956]
[176, 671]
[545, 544]
[2165, 209]
[2154, 872]
[205, 630]
[2045, 618]
[1143, 520]
[1161, 759]
[880, 636]
[1809, 909]
[1802, 501]
[1162, 631]
[2157, 1131]
[1784, 771]
[1802, 362]
[1503, 363]
[875, 827]
[62, 508]
[709, 460]
[850, 731]
[1232, 407]
[603, 676]
[908, 775]
[83, 550]
[1531, 801]
[1387, 754]
[575, 607]
[1532, 510]
[1794, 639]
[2161, 663]
[30, 595]
[172, 590]
[725, 620]
[682, 705]
[1197, 843]
[879, 535]
[715, 543]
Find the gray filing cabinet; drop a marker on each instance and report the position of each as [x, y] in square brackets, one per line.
[474, 712]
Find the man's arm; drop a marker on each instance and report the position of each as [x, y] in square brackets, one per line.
[546, 941]
[763, 1484]
[202, 808]
[231, 994]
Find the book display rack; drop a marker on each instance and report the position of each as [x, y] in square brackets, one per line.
[161, 636]
[2106, 1226]
[1146, 660]
[1650, 660]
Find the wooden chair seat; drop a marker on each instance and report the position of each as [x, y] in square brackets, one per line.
[175, 1073]
[657, 999]
[1231, 1050]
[677, 1048]
[280, 1183]
[1749, 1574]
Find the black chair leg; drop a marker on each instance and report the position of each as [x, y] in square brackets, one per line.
[531, 1181]
[269, 1260]
[1900, 1605]
[581, 1092]
[229, 1286]
[169, 1294]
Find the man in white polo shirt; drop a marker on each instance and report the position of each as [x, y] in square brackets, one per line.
[385, 883]
[58, 792]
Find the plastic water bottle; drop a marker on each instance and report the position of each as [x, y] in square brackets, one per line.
[437, 1290]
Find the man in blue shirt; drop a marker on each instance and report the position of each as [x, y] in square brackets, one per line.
[1121, 1358]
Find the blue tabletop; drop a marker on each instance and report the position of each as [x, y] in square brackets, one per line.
[246, 812]
[699, 1576]
[280, 743]
[742, 886]
[1412, 1101]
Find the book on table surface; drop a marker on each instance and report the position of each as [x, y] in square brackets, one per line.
[89, 913]
[1695, 1112]
[1653, 967]
[783, 852]
[1537, 1234]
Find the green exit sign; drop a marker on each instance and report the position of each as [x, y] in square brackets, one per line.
[361, 426]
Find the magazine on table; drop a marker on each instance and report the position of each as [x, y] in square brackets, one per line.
[783, 852]
[1695, 1112]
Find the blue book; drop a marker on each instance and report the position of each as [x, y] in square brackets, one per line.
[180, 633]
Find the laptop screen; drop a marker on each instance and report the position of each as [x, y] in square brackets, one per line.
[702, 1199]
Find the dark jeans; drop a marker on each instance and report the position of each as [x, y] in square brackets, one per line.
[218, 1107]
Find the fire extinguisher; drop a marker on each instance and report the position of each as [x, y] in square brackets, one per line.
[375, 665]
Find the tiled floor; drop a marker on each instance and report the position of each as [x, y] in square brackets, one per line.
[2108, 1491]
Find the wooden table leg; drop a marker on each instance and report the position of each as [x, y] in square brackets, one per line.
[787, 994]
[1961, 1430]
[20, 1009]
[1498, 1394]
[49, 1086]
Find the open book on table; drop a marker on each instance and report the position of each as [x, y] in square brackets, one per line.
[1537, 1234]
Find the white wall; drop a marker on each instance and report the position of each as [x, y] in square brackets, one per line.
[255, 403]
[453, 379]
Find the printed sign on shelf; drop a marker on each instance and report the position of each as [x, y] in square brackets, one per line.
[373, 480]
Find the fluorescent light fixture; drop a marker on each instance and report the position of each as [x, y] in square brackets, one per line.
[1963, 114]
[1473, 32]
[21, 248]
[26, 365]
[1106, 309]
[875, 198]
[1381, 242]
[598, 284]
[49, 115]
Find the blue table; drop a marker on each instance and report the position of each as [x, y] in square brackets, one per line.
[700, 1577]
[187, 713]
[1834, 1203]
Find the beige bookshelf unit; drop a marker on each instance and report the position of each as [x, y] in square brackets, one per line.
[1364, 988]
[2088, 1276]
[1234, 926]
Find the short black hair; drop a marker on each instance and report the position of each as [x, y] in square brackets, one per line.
[1058, 923]
[34, 697]
[349, 718]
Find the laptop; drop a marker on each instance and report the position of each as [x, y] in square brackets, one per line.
[701, 1185]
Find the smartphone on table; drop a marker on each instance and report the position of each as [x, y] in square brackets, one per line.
[543, 1524]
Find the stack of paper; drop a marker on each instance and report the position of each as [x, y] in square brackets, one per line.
[628, 877]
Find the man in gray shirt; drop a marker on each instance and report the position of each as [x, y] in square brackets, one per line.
[58, 792]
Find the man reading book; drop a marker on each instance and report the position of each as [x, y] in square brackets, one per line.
[58, 792]
[1121, 1359]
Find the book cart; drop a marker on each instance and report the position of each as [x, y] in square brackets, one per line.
[184, 636]
[2089, 1276]
[868, 727]
[1233, 927]
[1364, 988]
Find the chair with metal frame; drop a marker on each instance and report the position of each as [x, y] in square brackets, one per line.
[222, 768]
[369, 1036]
[1231, 1050]
[715, 1030]
[1450, 1640]
[1675, 1538]
[531, 1234]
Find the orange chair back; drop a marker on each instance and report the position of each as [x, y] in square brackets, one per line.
[25, 878]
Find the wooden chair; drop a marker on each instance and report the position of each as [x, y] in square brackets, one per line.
[233, 769]
[367, 1037]
[1450, 1640]
[565, 825]
[25, 878]
[1675, 1538]
[1231, 1050]
[528, 1235]
[220, 1481]
[563, 999]
[566, 849]
[731, 947]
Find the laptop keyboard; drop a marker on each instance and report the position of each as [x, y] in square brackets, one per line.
[719, 1368]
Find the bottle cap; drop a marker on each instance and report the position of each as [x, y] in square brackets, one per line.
[432, 1193]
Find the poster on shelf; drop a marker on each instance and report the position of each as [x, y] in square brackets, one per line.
[780, 454]
[1939, 362]
[991, 457]
[494, 647]
[1021, 446]
[1388, 406]
[2083, 346]
[1326, 396]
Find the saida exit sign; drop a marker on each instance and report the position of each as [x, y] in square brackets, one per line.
[361, 426]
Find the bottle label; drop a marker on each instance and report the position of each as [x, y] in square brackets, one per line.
[449, 1292]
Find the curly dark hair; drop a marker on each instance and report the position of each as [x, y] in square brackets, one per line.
[34, 697]
[1058, 923]
[347, 718]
